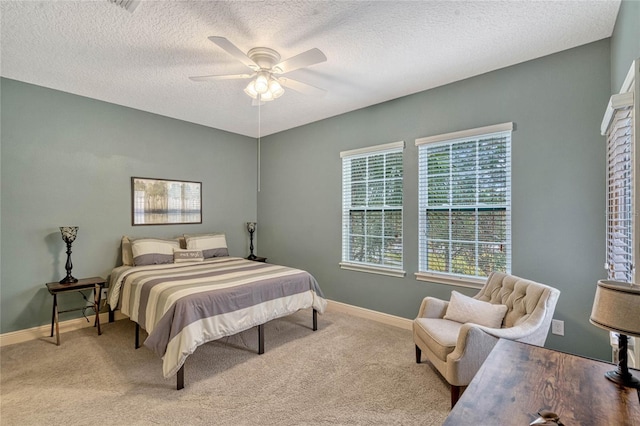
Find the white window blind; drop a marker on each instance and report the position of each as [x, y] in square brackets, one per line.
[619, 125]
[372, 200]
[620, 197]
[465, 203]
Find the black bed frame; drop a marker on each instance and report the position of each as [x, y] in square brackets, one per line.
[180, 374]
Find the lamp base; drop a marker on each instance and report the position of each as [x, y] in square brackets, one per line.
[68, 280]
[626, 380]
[252, 257]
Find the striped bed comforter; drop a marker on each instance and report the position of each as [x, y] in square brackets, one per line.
[185, 305]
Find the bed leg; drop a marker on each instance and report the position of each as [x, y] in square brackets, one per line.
[112, 315]
[315, 320]
[260, 339]
[180, 378]
[137, 335]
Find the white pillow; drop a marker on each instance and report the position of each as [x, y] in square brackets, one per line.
[127, 253]
[212, 245]
[467, 309]
[153, 251]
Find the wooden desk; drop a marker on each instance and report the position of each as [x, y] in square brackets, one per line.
[518, 380]
[95, 283]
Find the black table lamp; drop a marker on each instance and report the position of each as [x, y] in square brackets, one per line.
[68, 236]
[616, 307]
[251, 227]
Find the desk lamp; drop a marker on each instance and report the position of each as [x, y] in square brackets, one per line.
[616, 307]
[68, 236]
[251, 227]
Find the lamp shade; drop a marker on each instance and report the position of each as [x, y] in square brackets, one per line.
[69, 233]
[251, 89]
[262, 82]
[616, 307]
[275, 88]
[266, 96]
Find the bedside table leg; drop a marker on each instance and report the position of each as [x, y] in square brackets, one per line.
[53, 314]
[97, 295]
[55, 317]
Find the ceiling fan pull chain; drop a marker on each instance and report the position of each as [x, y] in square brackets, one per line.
[259, 131]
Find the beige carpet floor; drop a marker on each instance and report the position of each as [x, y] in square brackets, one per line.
[351, 371]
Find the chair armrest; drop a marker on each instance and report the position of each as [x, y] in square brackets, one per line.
[512, 333]
[432, 308]
[472, 349]
[474, 344]
[532, 330]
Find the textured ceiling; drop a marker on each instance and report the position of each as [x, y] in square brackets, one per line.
[376, 50]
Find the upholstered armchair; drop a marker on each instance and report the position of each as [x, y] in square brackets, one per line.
[457, 336]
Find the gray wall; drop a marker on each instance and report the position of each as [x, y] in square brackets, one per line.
[625, 42]
[556, 102]
[68, 160]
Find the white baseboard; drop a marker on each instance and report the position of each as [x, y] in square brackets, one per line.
[44, 331]
[369, 314]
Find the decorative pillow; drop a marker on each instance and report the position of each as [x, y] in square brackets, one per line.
[212, 245]
[153, 251]
[127, 254]
[182, 255]
[467, 309]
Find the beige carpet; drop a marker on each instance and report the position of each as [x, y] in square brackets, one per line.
[351, 371]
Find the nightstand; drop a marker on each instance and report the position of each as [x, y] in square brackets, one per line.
[95, 283]
[258, 259]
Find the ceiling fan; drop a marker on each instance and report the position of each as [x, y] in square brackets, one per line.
[267, 70]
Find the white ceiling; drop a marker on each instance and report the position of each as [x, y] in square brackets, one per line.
[376, 50]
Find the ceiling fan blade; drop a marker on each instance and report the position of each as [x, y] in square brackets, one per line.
[232, 50]
[220, 77]
[304, 88]
[304, 59]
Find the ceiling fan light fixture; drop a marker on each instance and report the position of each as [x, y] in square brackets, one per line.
[262, 82]
[265, 64]
[251, 89]
[272, 89]
[275, 88]
[266, 96]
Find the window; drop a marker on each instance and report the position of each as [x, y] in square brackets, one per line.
[464, 193]
[622, 155]
[372, 209]
[619, 198]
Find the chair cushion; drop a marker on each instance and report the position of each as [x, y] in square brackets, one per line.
[467, 309]
[440, 335]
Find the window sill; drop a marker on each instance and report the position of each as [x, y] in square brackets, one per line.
[373, 269]
[476, 283]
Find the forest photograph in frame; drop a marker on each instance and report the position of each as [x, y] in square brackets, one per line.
[165, 202]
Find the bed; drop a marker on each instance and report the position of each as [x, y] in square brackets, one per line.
[185, 303]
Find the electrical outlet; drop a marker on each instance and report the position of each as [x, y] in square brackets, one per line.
[557, 327]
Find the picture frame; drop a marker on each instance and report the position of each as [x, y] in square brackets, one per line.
[165, 202]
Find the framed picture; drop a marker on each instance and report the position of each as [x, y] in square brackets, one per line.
[165, 202]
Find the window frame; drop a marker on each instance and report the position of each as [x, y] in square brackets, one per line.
[346, 262]
[627, 99]
[423, 273]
